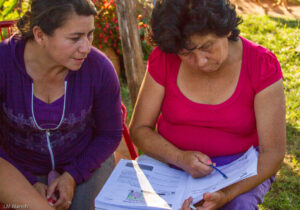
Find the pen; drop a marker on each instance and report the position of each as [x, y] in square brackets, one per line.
[218, 170]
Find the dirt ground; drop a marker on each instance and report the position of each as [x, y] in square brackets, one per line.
[267, 7]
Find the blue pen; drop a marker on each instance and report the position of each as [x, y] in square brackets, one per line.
[218, 170]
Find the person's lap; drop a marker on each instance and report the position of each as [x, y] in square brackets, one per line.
[86, 192]
[250, 199]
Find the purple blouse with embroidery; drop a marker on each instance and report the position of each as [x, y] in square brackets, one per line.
[91, 128]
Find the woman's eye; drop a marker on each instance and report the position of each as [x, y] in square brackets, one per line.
[206, 46]
[90, 36]
[185, 53]
[75, 39]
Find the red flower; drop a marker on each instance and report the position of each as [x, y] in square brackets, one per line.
[107, 29]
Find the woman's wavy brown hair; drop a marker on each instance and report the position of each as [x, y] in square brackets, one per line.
[52, 14]
[173, 22]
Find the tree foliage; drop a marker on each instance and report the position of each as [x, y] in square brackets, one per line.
[13, 9]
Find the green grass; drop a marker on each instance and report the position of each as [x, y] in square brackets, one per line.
[281, 36]
[126, 99]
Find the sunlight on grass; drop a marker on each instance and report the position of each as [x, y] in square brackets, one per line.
[293, 164]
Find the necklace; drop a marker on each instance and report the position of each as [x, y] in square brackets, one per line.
[47, 130]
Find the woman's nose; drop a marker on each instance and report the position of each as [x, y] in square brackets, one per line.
[201, 59]
[85, 46]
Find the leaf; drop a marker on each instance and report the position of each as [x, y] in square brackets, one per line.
[1, 3]
[8, 10]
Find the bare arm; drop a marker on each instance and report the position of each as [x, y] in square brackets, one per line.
[16, 190]
[142, 132]
[269, 107]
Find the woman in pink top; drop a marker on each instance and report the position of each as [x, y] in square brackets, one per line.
[212, 94]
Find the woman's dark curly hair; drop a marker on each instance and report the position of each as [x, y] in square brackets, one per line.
[52, 14]
[173, 22]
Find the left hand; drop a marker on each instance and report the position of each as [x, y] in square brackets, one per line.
[64, 185]
[210, 201]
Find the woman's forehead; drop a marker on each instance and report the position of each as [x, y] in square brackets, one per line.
[76, 22]
[199, 38]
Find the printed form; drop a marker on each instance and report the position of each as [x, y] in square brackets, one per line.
[150, 184]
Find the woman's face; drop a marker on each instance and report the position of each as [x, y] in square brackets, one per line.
[209, 54]
[71, 43]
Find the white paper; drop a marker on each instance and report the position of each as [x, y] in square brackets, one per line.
[143, 185]
[150, 184]
[242, 168]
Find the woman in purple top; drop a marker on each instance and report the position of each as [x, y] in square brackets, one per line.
[59, 102]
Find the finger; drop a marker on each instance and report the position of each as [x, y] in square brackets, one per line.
[63, 200]
[206, 196]
[44, 191]
[209, 199]
[198, 169]
[186, 204]
[203, 158]
[60, 203]
[51, 189]
[199, 203]
[61, 208]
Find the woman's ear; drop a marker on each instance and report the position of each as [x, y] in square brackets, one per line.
[229, 34]
[39, 36]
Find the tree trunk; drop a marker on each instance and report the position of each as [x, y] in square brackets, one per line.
[131, 44]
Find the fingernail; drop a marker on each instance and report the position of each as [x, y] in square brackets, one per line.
[209, 162]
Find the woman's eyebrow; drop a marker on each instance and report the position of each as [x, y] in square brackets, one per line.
[203, 44]
[81, 33]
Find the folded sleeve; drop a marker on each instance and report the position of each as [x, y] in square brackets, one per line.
[157, 66]
[267, 72]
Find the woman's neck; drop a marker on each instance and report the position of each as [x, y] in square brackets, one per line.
[235, 52]
[39, 65]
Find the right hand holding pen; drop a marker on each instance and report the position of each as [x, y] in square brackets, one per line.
[195, 163]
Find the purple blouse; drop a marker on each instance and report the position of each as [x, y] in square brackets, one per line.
[48, 115]
[89, 131]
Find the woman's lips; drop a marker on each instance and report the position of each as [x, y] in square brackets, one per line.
[79, 60]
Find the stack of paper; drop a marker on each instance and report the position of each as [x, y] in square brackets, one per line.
[150, 184]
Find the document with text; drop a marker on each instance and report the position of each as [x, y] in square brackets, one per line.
[151, 184]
